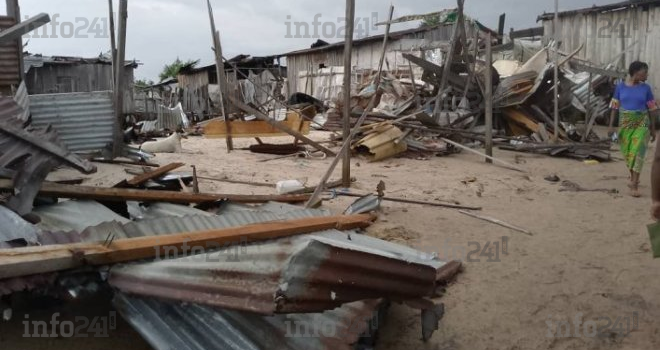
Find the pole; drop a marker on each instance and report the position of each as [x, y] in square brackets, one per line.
[555, 30]
[489, 98]
[222, 80]
[119, 79]
[347, 142]
[348, 68]
[113, 42]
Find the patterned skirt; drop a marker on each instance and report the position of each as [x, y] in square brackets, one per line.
[634, 135]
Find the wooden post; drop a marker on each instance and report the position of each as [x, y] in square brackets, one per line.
[555, 34]
[14, 10]
[222, 79]
[119, 80]
[489, 99]
[347, 142]
[348, 68]
[439, 100]
[113, 43]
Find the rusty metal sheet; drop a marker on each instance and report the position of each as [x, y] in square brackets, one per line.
[307, 273]
[173, 325]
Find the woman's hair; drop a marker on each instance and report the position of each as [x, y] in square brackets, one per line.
[637, 66]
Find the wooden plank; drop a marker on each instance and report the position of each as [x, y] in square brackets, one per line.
[501, 162]
[256, 128]
[124, 194]
[18, 30]
[156, 173]
[527, 33]
[521, 119]
[37, 260]
[496, 222]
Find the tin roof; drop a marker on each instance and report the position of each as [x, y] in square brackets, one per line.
[599, 9]
[174, 325]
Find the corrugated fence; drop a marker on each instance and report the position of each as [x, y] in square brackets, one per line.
[84, 121]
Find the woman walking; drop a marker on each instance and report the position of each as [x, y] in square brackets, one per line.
[634, 103]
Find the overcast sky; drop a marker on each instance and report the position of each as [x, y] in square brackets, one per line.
[159, 31]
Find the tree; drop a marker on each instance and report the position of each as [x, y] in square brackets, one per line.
[142, 83]
[430, 21]
[173, 69]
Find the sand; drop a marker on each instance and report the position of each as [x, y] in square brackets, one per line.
[588, 257]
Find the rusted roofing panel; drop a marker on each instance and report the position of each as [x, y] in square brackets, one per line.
[173, 325]
[308, 273]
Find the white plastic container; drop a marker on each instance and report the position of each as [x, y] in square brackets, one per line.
[288, 186]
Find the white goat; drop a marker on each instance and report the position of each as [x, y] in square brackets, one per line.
[171, 144]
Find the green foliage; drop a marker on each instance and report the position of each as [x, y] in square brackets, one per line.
[141, 83]
[173, 69]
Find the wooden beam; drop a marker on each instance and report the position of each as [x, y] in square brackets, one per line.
[22, 28]
[501, 162]
[156, 173]
[489, 99]
[124, 194]
[37, 260]
[279, 125]
[527, 33]
[348, 68]
[118, 139]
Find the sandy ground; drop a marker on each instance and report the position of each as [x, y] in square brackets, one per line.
[588, 257]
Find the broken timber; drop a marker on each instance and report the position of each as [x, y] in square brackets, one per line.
[20, 29]
[142, 178]
[123, 194]
[37, 260]
[279, 125]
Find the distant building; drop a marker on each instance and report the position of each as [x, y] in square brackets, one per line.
[57, 74]
[598, 28]
[317, 71]
[249, 79]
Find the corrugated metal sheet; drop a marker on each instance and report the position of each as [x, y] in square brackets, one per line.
[84, 120]
[599, 32]
[170, 325]
[22, 99]
[74, 216]
[307, 273]
[10, 69]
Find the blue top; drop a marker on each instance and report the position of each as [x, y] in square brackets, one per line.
[633, 98]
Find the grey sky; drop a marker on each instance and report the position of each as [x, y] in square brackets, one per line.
[161, 30]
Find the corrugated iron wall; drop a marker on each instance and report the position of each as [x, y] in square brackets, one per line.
[84, 121]
[10, 71]
[599, 32]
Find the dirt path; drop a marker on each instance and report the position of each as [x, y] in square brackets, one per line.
[589, 254]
